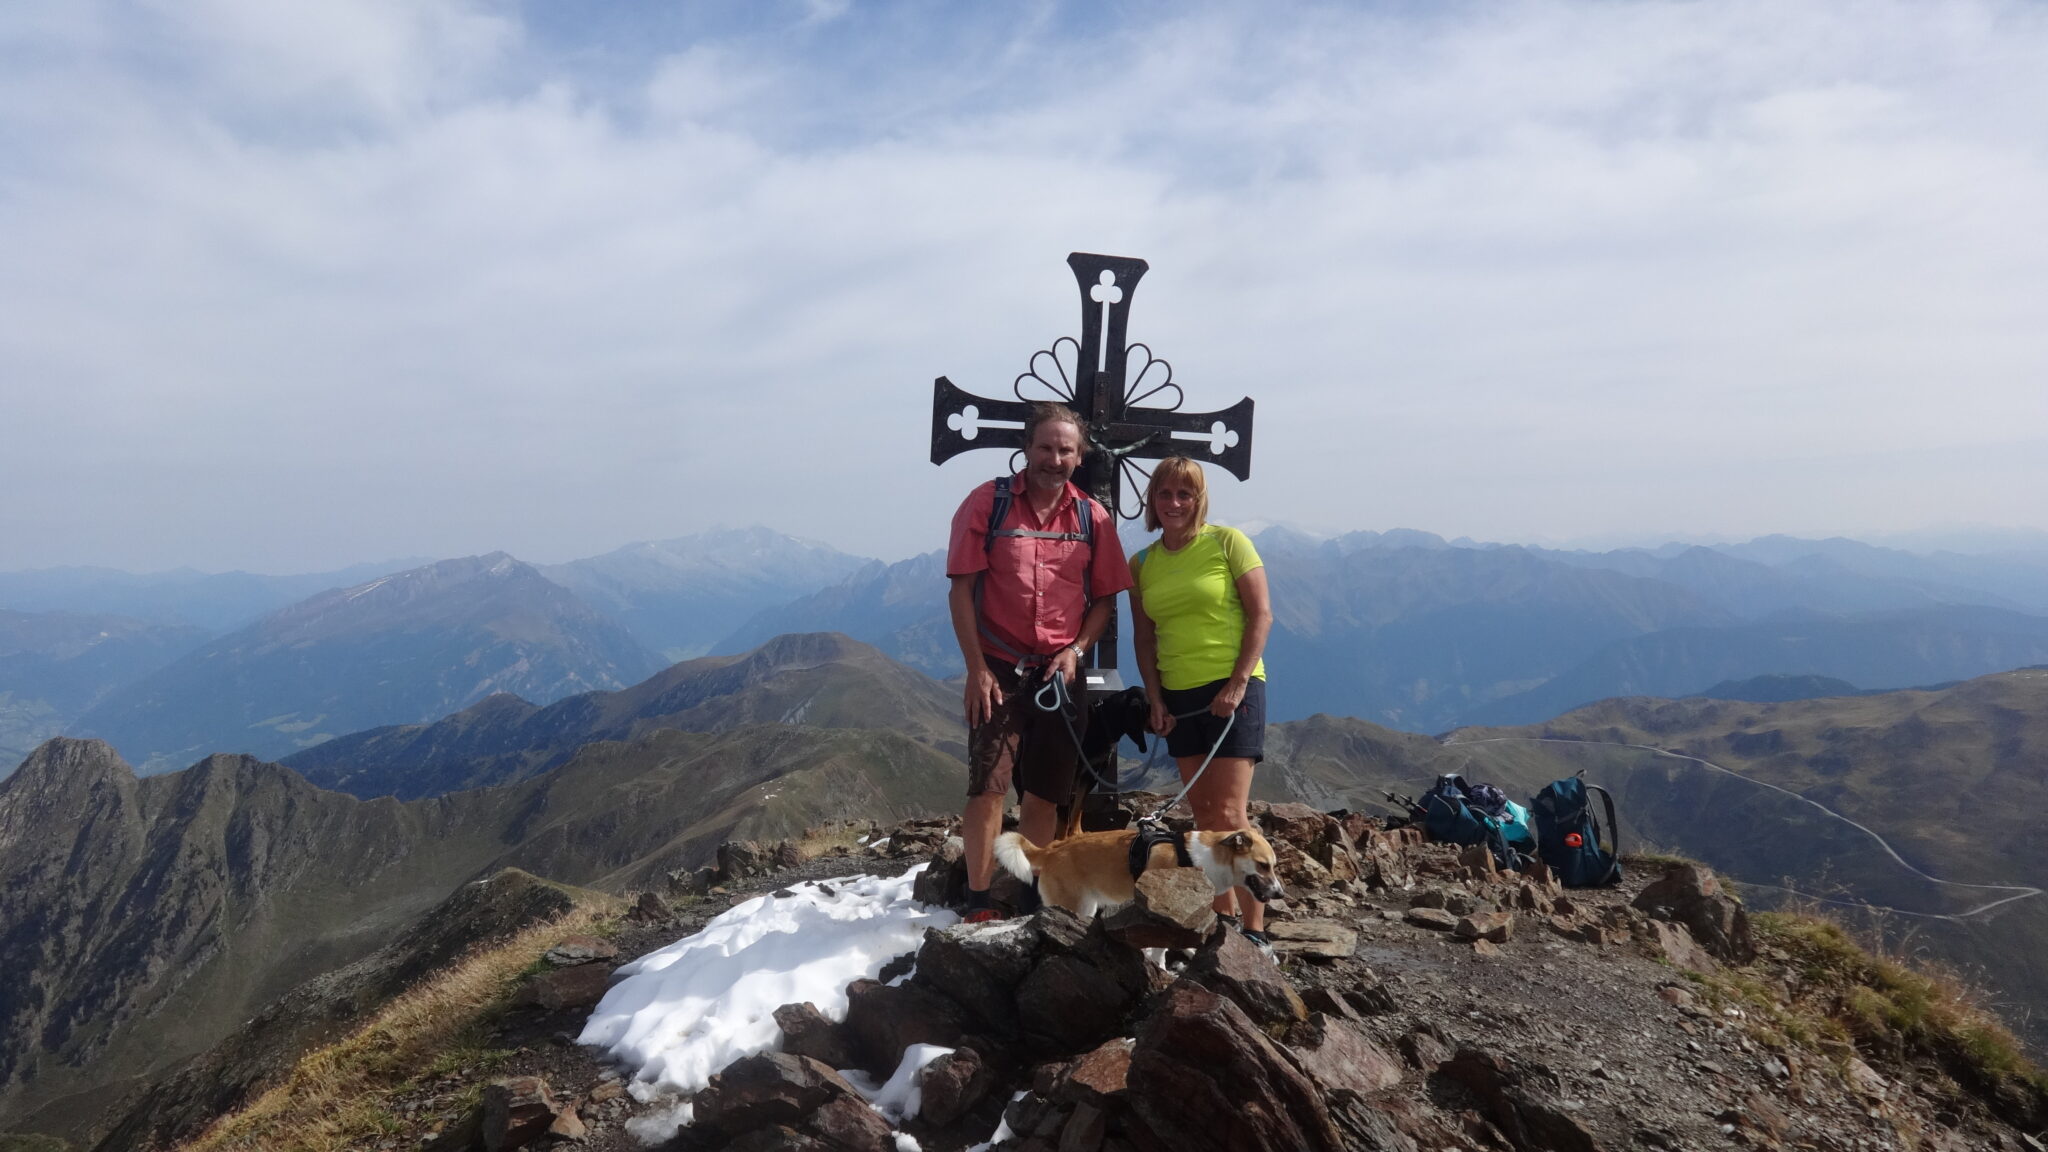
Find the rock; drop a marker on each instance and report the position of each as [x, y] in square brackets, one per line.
[1675, 943]
[1312, 939]
[1691, 895]
[1428, 898]
[1173, 909]
[1423, 1050]
[768, 1088]
[739, 859]
[689, 884]
[516, 1112]
[1865, 1079]
[1297, 824]
[776, 1138]
[1382, 864]
[806, 1032]
[1068, 1004]
[848, 1124]
[1203, 1076]
[952, 1085]
[944, 883]
[580, 949]
[1434, 919]
[579, 987]
[1232, 966]
[881, 1021]
[607, 1091]
[1493, 927]
[1096, 1078]
[1531, 898]
[785, 854]
[1478, 859]
[1297, 869]
[1526, 1115]
[1485, 948]
[1340, 1055]
[649, 909]
[979, 966]
[567, 1125]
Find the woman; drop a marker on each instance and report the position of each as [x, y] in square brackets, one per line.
[1200, 619]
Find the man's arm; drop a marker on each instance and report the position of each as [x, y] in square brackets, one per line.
[983, 694]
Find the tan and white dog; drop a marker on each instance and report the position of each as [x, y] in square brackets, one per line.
[1093, 870]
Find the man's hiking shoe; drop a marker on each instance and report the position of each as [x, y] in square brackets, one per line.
[981, 915]
[1262, 942]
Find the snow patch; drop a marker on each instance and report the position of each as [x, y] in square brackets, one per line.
[902, 1096]
[679, 1014]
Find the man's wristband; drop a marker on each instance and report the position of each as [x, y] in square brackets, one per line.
[1079, 652]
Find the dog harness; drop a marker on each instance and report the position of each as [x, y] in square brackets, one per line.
[1151, 834]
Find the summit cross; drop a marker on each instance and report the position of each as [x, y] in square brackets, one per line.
[1107, 380]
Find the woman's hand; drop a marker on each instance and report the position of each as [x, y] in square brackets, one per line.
[1162, 720]
[1227, 698]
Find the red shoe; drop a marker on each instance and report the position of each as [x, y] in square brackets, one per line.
[982, 916]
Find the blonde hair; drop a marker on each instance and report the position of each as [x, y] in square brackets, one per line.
[1178, 469]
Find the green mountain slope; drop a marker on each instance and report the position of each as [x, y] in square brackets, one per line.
[820, 680]
[144, 917]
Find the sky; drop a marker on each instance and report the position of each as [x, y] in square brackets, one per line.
[287, 287]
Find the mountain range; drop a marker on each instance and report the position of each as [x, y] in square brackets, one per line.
[1400, 627]
[410, 646]
[146, 916]
[1411, 631]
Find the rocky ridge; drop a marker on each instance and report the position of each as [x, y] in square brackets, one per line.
[1422, 1000]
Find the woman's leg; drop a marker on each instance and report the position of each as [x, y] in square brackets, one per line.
[1219, 800]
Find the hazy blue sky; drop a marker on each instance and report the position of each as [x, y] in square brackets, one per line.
[287, 285]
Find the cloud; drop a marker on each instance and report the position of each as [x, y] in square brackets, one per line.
[297, 286]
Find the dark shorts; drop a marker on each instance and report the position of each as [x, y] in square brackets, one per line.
[1023, 746]
[1194, 735]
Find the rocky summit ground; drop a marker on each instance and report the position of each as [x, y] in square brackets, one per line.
[1421, 1001]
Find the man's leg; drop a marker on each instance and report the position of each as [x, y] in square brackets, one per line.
[979, 825]
[1039, 820]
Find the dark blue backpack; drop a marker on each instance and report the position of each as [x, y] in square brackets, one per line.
[1568, 839]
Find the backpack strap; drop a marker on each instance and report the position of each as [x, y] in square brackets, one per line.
[1613, 828]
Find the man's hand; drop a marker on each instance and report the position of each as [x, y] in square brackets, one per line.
[984, 695]
[1162, 720]
[1227, 698]
[1066, 664]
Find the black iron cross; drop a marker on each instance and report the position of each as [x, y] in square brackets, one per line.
[1094, 378]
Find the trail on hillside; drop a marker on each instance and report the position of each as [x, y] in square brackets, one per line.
[2018, 892]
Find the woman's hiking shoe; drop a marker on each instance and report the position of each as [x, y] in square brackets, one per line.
[981, 915]
[1262, 942]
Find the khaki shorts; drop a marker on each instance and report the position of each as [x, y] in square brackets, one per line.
[1022, 745]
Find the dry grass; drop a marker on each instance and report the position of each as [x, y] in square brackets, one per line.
[1889, 1003]
[336, 1097]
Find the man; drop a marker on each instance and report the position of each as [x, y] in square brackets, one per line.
[1029, 598]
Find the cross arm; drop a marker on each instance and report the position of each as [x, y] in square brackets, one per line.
[962, 421]
[1222, 438]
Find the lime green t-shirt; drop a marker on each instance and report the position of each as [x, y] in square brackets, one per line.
[1191, 598]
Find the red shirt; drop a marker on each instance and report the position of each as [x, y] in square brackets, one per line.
[1032, 597]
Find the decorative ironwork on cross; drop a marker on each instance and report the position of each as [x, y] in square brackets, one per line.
[1107, 380]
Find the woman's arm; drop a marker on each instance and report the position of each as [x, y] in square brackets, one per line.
[1258, 624]
[1145, 638]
